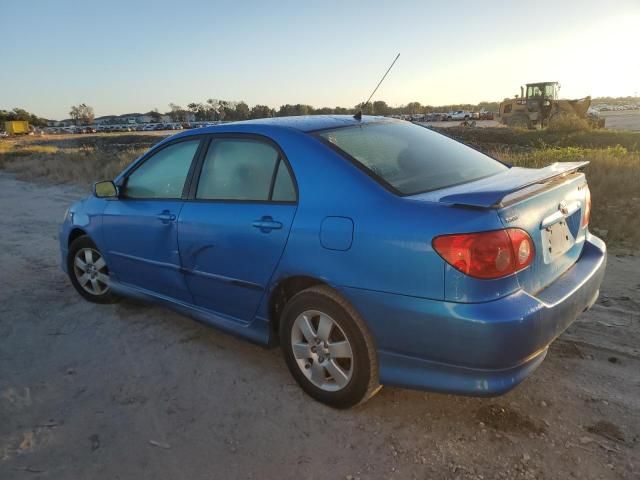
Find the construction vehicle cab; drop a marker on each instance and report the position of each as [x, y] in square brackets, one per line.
[542, 91]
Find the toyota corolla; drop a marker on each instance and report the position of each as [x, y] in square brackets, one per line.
[373, 251]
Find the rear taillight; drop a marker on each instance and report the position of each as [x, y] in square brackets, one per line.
[587, 207]
[487, 255]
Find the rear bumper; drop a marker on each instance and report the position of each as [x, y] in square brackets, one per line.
[476, 348]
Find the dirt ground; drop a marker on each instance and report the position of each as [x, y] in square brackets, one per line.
[624, 120]
[456, 123]
[129, 391]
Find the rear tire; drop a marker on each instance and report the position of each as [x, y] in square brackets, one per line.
[328, 348]
[88, 271]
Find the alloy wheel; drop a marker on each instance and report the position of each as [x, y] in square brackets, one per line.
[322, 350]
[91, 271]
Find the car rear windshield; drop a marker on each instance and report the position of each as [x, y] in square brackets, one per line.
[409, 158]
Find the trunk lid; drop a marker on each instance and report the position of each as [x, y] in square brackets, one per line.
[552, 215]
[547, 203]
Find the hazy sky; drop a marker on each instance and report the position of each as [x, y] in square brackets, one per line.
[132, 56]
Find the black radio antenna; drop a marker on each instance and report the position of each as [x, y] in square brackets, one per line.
[358, 116]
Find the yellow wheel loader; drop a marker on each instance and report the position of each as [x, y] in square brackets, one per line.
[540, 107]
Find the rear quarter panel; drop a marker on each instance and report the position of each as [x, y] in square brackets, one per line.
[391, 249]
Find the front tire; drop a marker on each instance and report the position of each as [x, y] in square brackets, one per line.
[88, 271]
[328, 348]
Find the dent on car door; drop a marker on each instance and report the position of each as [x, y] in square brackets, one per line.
[140, 227]
[233, 231]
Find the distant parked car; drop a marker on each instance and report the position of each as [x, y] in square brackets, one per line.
[435, 117]
[374, 251]
[459, 115]
[486, 115]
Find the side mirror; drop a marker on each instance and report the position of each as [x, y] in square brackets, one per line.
[105, 189]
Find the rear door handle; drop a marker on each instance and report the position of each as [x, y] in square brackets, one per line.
[266, 224]
[166, 216]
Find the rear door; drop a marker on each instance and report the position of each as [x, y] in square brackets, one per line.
[234, 227]
[140, 228]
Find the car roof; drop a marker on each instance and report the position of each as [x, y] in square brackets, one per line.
[268, 126]
[303, 123]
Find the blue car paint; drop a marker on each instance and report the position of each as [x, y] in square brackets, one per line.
[142, 250]
[434, 327]
[489, 191]
[214, 235]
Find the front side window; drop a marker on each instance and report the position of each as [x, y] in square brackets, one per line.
[163, 174]
[243, 169]
[409, 158]
[550, 91]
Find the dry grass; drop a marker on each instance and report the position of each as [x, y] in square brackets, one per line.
[569, 123]
[489, 139]
[81, 165]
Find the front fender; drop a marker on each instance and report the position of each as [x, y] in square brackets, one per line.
[84, 215]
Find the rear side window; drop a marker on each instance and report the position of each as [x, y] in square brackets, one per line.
[163, 174]
[243, 169]
[411, 159]
[283, 188]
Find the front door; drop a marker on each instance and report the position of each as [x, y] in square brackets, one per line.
[140, 228]
[233, 231]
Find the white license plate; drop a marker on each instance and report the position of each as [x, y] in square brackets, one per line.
[556, 240]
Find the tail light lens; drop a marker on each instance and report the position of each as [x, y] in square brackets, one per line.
[587, 207]
[487, 255]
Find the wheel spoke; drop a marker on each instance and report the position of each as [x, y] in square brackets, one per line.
[94, 285]
[88, 256]
[340, 349]
[80, 264]
[82, 280]
[304, 323]
[324, 327]
[301, 350]
[337, 373]
[317, 374]
[103, 278]
[100, 263]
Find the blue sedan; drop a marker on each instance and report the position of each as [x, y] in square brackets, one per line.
[373, 251]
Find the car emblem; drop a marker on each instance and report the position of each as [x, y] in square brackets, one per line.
[563, 208]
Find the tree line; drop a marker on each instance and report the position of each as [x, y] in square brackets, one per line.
[225, 110]
[21, 114]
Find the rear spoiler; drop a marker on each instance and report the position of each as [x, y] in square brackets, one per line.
[489, 192]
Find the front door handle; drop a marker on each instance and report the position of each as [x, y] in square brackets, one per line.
[266, 224]
[166, 217]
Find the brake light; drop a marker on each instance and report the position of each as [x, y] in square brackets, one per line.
[487, 255]
[587, 207]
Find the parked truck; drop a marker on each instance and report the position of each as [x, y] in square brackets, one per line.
[17, 127]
